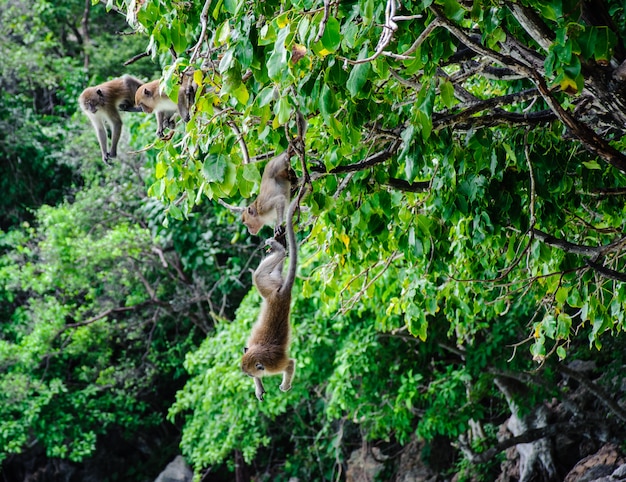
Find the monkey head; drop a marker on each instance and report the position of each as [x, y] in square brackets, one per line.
[251, 365]
[91, 99]
[250, 217]
[144, 98]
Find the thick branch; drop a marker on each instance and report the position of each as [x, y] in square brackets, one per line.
[532, 23]
[372, 160]
[592, 141]
[531, 435]
[607, 272]
[565, 245]
[464, 120]
[592, 251]
[402, 185]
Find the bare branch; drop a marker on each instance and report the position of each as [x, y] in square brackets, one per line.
[565, 245]
[204, 20]
[607, 272]
[372, 160]
[402, 185]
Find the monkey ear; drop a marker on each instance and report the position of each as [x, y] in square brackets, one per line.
[99, 92]
[251, 211]
[245, 349]
[259, 366]
[148, 92]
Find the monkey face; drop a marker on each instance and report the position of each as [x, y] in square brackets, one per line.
[144, 98]
[251, 219]
[91, 99]
[251, 366]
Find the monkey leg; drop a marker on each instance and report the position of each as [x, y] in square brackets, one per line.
[268, 277]
[116, 132]
[101, 134]
[160, 124]
[285, 386]
[259, 390]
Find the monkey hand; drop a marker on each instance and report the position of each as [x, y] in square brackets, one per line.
[279, 231]
[259, 391]
[280, 235]
[274, 245]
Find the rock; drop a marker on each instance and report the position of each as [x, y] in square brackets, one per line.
[364, 465]
[412, 468]
[176, 471]
[599, 466]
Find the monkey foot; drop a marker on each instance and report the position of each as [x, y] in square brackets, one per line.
[285, 389]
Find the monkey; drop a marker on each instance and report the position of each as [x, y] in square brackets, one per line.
[103, 104]
[186, 94]
[267, 347]
[277, 182]
[150, 99]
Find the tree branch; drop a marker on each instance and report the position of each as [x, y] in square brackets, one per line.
[402, 185]
[531, 435]
[372, 160]
[592, 141]
[606, 272]
[565, 245]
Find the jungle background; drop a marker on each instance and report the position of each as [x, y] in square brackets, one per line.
[459, 307]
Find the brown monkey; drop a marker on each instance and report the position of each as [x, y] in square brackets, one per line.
[186, 94]
[275, 191]
[150, 99]
[103, 104]
[266, 353]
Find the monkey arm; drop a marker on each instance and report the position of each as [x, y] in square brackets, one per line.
[160, 115]
[259, 390]
[116, 132]
[101, 134]
[285, 386]
[127, 107]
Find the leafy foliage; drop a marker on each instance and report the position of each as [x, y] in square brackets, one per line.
[446, 200]
[455, 233]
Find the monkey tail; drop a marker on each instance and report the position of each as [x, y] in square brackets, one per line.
[291, 240]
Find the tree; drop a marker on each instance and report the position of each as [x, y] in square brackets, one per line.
[467, 170]
[466, 160]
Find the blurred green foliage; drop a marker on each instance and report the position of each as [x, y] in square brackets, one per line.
[125, 289]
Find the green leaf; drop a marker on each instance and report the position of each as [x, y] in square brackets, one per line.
[277, 65]
[592, 165]
[447, 93]
[331, 39]
[214, 168]
[358, 75]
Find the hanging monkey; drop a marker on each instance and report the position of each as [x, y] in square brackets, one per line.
[267, 349]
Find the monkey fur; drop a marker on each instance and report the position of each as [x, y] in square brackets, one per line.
[267, 348]
[103, 103]
[274, 194]
[151, 100]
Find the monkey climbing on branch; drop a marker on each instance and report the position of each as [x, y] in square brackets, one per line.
[267, 349]
[150, 99]
[277, 182]
[274, 194]
[103, 103]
